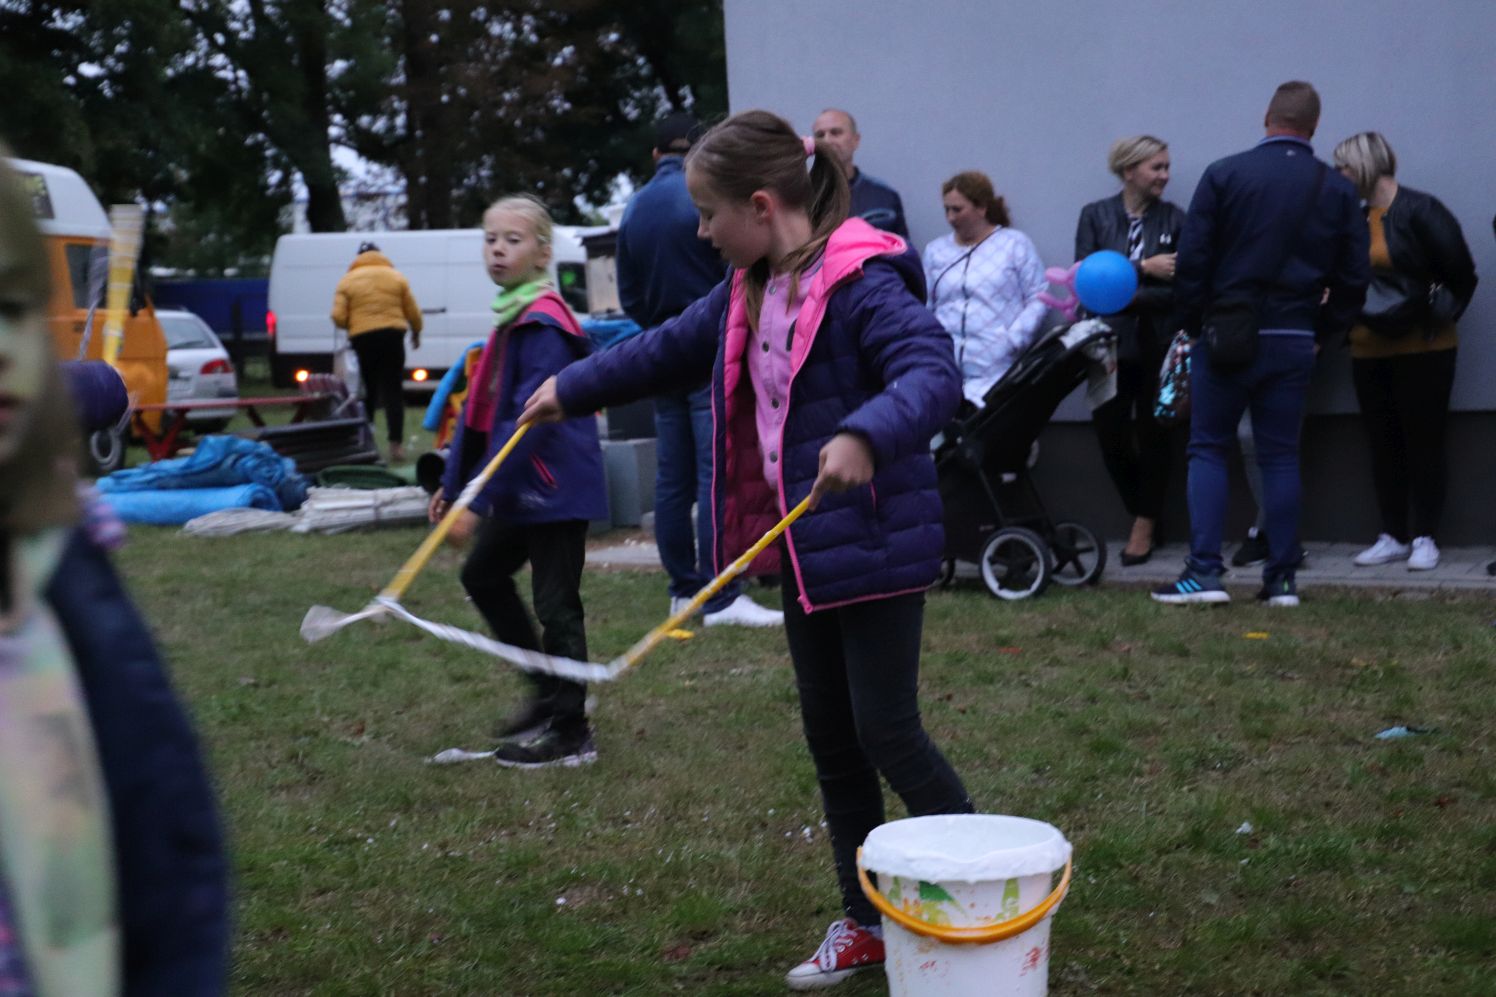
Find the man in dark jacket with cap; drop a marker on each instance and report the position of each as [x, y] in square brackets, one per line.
[662, 268]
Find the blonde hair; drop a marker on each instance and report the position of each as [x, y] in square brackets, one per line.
[38, 483]
[533, 210]
[1369, 158]
[1129, 152]
[758, 150]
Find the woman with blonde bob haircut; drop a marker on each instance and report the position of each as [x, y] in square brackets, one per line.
[1403, 348]
[1138, 223]
[984, 281]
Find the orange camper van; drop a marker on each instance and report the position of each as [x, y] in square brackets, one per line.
[75, 227]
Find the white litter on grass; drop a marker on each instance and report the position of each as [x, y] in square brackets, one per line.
[1246, 828]
[452, 756]
[227, 522]
[326, 510]
[335, 510]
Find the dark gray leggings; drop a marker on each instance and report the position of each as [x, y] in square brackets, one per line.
[857, 669]
[556, 552]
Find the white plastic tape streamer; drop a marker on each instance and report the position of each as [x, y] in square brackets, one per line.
[530, 661]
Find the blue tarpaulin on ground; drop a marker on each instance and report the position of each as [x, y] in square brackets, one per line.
[218, 461]
[174, 506]
[606, 332]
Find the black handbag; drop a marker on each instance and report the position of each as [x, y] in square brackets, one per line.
[1397, 303]
[1231, 324]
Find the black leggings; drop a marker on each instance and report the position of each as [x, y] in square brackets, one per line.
[1136, 448]
[857, 669]
[556, 552]
[381, 365]
[1405, 406]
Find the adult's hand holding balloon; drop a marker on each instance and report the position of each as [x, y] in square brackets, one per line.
[1105, 282]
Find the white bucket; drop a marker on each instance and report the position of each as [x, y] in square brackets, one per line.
[966, 902]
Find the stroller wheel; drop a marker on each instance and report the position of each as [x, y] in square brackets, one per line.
[1015, 563]
[1079, 555]
[947, 575]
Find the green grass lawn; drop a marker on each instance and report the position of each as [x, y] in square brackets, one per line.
[691, 859]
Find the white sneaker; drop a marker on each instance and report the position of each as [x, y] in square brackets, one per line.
[677, 603]
[1386, 550]
[1425, 556]
[744, 612]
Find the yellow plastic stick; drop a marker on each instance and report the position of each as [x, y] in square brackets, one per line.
[125, 221]
[649, 641]
[413, 565]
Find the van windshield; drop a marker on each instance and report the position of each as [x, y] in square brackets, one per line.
[79, 255]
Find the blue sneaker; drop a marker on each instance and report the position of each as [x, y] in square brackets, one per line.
[1192, 587]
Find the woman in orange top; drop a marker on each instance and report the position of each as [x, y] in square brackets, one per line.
[1403, 348]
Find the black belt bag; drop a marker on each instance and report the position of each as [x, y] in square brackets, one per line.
[1230, 332]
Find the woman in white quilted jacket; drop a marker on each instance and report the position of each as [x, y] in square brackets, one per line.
[984, 281]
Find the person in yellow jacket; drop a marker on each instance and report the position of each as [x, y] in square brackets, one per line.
[373, 302]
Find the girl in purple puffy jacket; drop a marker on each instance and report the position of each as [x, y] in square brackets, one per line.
[828, 378]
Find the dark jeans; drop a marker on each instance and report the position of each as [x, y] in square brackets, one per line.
[683, 477]
[1135, 448]
[1404, 406]
[381, 365]
[555, 552]
[857, 669]
[1274, 387]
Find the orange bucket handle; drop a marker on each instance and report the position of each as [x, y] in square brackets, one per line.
[982, 935]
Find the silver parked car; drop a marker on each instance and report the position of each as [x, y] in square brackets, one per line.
[199, 368]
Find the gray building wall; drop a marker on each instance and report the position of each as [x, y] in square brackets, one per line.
[1033, 95]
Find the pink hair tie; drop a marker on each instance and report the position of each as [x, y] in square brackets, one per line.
[810, 145]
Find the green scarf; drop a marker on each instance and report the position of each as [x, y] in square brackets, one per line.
[511, 301]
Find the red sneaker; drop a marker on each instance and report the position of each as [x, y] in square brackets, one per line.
[847, 948]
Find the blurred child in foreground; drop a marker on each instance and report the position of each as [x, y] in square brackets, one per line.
[112, 870]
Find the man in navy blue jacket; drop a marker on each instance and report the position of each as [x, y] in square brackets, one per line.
[662, 268]
[872, 200]
[1278, 229]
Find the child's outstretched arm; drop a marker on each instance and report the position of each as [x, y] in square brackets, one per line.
[904, 343]
[673, 356]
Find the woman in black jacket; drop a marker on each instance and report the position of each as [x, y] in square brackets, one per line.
[1403, 348]
[1138, 223]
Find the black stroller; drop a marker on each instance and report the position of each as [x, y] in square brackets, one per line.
[993, 513]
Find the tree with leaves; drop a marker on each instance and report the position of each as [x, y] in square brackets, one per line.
[222, 110]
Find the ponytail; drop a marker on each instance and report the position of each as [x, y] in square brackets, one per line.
[758, 150]
[997, 212]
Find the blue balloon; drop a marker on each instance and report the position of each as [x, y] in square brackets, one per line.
[1105, 282]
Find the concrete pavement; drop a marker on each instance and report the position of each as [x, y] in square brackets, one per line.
[1329, 565]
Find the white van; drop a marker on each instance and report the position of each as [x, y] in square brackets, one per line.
[446, 274]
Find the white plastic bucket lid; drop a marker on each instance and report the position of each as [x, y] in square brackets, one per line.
[965, 848]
